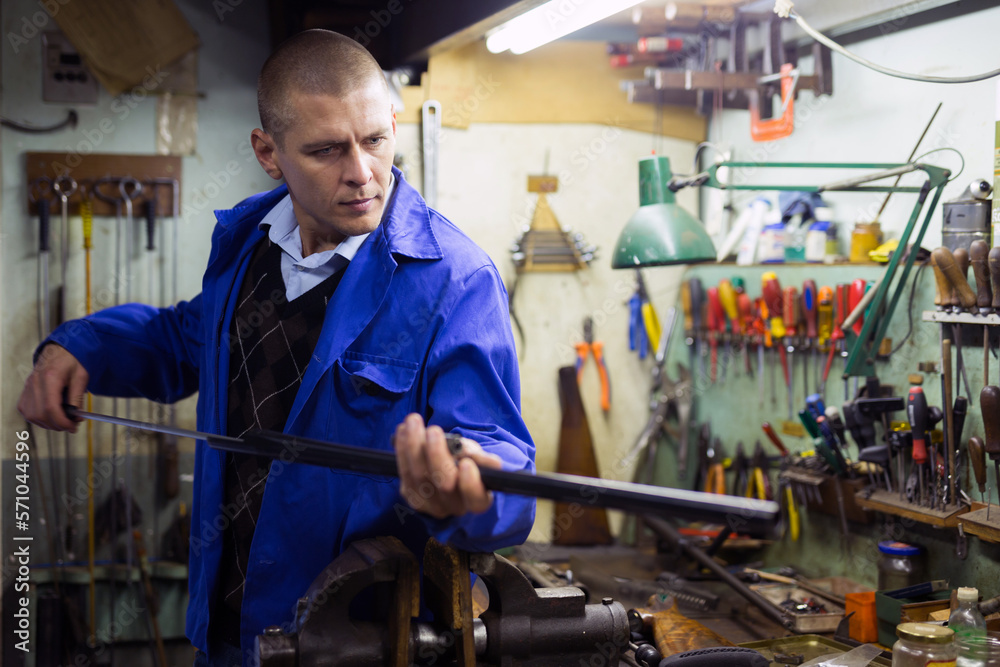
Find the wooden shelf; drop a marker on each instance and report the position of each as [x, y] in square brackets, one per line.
[889, 503]
[959, 318]
[975, 523]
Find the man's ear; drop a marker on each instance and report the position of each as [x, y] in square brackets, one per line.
[264, 147]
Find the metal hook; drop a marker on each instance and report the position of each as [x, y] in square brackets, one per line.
[64, 191]
[96, 190]
[126, 183]
[43, 194]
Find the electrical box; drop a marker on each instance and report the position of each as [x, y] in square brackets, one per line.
[64, 76]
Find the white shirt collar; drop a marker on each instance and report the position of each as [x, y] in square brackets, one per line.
[284, 231]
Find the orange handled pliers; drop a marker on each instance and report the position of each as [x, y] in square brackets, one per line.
[589, 345]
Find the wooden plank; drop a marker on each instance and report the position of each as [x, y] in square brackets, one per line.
[976, 523]
[561, 82]
[889, 503]
[88, 169]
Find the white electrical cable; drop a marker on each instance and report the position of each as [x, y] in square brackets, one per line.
[783, 8]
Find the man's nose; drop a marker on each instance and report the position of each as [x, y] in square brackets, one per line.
[356, 170]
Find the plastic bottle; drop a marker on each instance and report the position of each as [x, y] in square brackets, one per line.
[966, 620]
[772, 240]
[816, 236]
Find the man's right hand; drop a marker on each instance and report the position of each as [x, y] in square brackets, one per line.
[56, 371]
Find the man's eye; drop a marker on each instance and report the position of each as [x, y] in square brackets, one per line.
[375, 141]
[324, 151]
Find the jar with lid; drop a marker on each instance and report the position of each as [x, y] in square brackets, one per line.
[865, 237]
[899, 565]
[924, 645]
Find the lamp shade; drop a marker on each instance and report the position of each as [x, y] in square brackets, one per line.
[660, 233]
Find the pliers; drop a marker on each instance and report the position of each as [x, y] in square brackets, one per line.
[588, 346]
[644, 329]
[715, 480]
[758, 482]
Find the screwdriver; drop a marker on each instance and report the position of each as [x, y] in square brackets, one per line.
[977, 455]
[689, 332]
[824, 330]
[916, 412]
[697, 308]
[745, 308]
[716, 320]
[854, 296]
[763, 337]
[727, 296]
[989, 405]
[838, 334]
[790, 311]
[772, 297]
[809, 315]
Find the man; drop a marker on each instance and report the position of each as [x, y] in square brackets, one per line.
[338, 307]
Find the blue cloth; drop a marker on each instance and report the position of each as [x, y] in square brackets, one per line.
[419, 324]
[222, 655]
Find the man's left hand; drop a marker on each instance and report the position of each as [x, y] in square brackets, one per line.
[432, 480]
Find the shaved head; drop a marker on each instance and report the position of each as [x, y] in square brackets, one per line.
[314, 62]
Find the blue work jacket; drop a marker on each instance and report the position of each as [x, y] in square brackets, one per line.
[419, 323]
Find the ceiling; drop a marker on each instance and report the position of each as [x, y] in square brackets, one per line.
[406, 32]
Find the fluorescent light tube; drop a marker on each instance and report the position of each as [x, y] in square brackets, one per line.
[548, 22]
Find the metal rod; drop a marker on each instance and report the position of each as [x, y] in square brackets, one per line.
[909, 159]
[743, 514]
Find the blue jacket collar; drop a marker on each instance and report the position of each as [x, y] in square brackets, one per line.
[407, 229]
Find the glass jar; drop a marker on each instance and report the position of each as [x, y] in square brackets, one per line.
[865, 237]
[924, 645]
[899, 565]
[978, 651]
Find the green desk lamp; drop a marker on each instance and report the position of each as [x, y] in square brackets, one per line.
[660, 233]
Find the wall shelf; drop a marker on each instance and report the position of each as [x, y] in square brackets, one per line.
[889, 502]
[943, 317]
[975, 523]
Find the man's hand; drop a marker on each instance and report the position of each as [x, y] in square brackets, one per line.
[41, 401]
[432, 481]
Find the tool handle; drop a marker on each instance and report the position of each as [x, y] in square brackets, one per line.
[602, 371]
[151, 224]
[948, 264]
[745, 308]
[943, 290]
[686, 305]
[697, 302]
[993, 260]
[916, 411]
[718, 655]
[714, 309]
[43, 225]
[772, 435]
[790, 309]
[977, 455]
[854, 297]
[958, 413]
[824, 315]
[843, 292]
[856, 317]
[727, 296]
[989, 405]
[978, 254]
[809, 305]
[829, 362]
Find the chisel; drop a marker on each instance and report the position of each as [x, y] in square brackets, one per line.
[745, 514]
[978, 252]
[977, 456]
[810, 332]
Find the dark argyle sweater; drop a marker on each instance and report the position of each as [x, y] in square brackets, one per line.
[271, 342]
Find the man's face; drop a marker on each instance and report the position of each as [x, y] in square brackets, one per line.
[336, 157]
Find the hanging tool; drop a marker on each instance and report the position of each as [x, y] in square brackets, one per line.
[587, 347]
[690, 334]
[824, 336]
[963, 261]
[950, 435]
[430, 127]
[87, 218]
[839, 335]
[854, 296]
[727, 299]
[978, 254]
[758, 483]
[977, 457]
[943, 291]
[790, 312]
[810, 326]
[946, 262]
[989, 405]
[916, 412]
[715, 480]
[768, 342]
[758, 516]
[773, 298]
[744, 308]
[644, 325]
[715, 317]
[697, 310]
[65, 187]
[129, 189]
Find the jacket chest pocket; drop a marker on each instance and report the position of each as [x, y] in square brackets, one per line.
[374, 391]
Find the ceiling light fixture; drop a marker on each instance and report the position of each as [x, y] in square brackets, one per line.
[548, 22]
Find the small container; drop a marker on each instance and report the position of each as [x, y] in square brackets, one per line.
[796, 231]
[899, 565]
[816, 237]
[863, 623]
[924, 645]
[966, 620]
[772, 241]
[865, 237]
